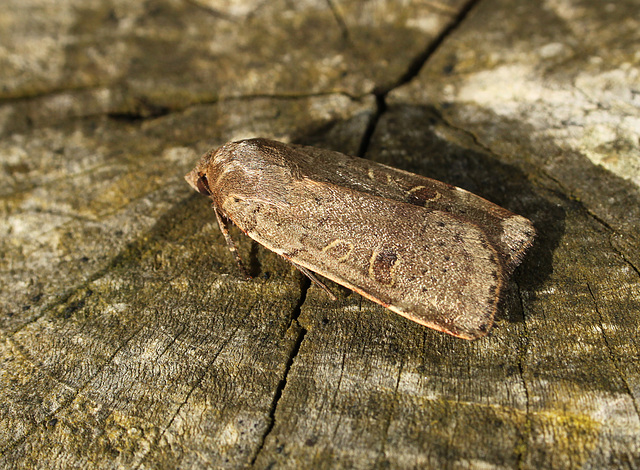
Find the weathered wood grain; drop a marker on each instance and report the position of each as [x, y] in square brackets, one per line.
[127, 337]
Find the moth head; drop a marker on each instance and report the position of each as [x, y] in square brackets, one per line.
[202, 185]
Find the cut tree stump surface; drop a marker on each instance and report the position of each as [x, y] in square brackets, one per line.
[128, 339]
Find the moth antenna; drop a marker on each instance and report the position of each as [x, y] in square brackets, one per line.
[315, 280]
[224, 228]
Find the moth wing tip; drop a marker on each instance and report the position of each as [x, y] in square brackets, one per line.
[470, 332]
[480, 332]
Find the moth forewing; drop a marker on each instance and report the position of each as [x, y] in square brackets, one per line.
[427, 265]
[431, 252]
[510, 233]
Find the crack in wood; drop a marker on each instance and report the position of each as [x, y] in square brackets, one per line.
[522, 440]
[416, 65]
[154, 444]
[414, 68]
[340, 20]
[305, 283]
[612, 355]
[567, 194]
[383, 460]
[335, 394]
[624, 258]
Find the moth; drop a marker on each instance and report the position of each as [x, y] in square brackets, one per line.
[429, 251]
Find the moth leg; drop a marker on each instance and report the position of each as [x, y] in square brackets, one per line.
[314, 279]
[224, 228]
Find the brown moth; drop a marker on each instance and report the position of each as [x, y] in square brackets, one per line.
[432, 252]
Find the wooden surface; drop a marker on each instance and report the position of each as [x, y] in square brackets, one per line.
[127, 337]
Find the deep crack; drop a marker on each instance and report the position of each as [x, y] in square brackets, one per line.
[367, 136]
[301, 332]
[414, 68]
[418, 62]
